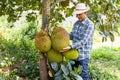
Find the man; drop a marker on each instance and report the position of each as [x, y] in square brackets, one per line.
[82, 38]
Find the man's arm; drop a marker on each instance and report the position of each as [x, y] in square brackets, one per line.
[86, 36]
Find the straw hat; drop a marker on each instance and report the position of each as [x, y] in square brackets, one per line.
[81, 8]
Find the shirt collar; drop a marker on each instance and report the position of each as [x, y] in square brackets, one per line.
[83, 22]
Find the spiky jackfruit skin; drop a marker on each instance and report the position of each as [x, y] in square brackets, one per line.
[60, 38]
[54, 56]
[42, 41]
[71, 54]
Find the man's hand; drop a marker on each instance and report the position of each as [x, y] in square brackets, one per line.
[65, 49]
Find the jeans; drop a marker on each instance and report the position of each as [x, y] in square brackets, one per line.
[84, 64]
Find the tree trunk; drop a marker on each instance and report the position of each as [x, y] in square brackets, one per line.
[45, 24]
[42, 67]
[45, 13]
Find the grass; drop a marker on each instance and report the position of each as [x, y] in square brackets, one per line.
[106, 62]
[105, 58]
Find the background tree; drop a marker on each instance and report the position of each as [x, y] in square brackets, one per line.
[104, 13]
[107, 10]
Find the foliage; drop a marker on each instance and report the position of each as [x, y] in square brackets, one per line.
[30, 30]
[20, 54]
[105, 14]
[104, 53]
[105, 17]
[104, 64]
[64, 71]
[15, 8]
[24, 57]
[97, 73]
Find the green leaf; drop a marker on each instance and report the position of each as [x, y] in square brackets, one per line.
[104, 39]
[54, 66]
[69, 66]
[58, 73]
[71, 62]
[66, 77]
[78, 69]
[60, 77]
[69, 11]
[76, 76]
[112, 38]
[64, 69]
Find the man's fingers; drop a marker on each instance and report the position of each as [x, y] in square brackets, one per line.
[65, 49]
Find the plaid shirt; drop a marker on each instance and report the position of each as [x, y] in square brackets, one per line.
[82, 38]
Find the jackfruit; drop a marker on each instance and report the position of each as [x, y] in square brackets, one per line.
[42, 41]
[54, 56]
[71, 54]
[60, 38]
[65, 3]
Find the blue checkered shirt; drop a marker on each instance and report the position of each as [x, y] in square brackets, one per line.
[82, 38]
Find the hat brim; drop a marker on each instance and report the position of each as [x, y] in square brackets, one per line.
[79, 12]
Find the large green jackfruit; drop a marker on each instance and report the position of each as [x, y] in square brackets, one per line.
[60, 38]
[42, 41]
[71, 54]
[54, 56]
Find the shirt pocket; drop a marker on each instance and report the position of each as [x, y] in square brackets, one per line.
[74, 32]
[80, 33]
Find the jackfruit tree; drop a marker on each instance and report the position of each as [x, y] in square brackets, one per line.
[104, 13]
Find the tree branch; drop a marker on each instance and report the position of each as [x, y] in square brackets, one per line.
[57, 1]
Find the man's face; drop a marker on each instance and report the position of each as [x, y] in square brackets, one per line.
[81, 16]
